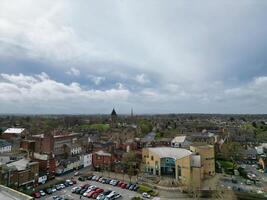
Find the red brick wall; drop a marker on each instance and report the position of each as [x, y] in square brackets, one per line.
[100, 161]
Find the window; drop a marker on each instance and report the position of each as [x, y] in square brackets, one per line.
[179, 171]
[152, 157]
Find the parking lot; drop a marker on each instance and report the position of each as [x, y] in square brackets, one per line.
[67, 194]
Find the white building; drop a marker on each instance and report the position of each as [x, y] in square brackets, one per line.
[180, 142]
[87, 160]
[76, 150]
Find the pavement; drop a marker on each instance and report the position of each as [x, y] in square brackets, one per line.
[66, 192]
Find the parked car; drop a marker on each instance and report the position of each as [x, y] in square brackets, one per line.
[128, 185]
[90, 177]
[117, 196]
[100, 197]
[58, 187]
[76, 173]
[107, 192]
[120, 183]
[131, 187]
[145, 195]
[73, 189]
[83, 191]
[136, 187]
[123, 186]
[36, 195]
[78, 189]
[42, 193]
[62, 186]
[108, 181]
[81, 178]
[114, 182]
[48, 191]
[53, 189]
[89, 193]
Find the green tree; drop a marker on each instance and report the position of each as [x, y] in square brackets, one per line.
[232, 151]
[130, 162]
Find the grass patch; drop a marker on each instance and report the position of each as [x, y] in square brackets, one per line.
[226, 164]
[144, 188]
[99, 127]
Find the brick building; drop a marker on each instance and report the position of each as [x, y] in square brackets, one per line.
[103, 160]
[19, 173]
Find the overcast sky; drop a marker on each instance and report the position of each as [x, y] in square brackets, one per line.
[154, 56]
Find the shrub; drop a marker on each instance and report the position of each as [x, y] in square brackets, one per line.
[144, 188]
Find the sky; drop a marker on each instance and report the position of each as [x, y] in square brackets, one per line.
[155, 56]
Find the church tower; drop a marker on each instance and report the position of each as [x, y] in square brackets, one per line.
[113, 118]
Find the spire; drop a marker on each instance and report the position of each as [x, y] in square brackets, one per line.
[131, 112]
[113, 113]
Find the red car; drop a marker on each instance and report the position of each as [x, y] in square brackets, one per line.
[36, 195]
[123, 186]
[90, 193]
[99, 190]
[120, 183]
[95, 195]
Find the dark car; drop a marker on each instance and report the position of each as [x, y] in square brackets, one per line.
[90, 177]
[48, 191]
[107, 192]
[77, 191]
[81, 178]
[132, 187]
[128, 185]
[136, 187]
[107, 181]
[82, 191]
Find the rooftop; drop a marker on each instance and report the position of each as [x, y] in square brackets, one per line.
[102, 153]
[175, 153]
[14, 130]
[20, 164]
[7, 193]
[179, 139]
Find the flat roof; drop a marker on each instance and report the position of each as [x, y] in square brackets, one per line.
[14, 130]
[7, 193]
[175, 153]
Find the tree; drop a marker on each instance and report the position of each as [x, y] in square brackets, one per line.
[232, 150]
[129, 160]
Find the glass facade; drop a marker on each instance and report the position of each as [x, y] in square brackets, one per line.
[167, 166]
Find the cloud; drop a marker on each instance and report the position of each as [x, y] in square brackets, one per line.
[253, 91]
[41, 91]
[97, 80]
[73, 71]
[141, 79]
